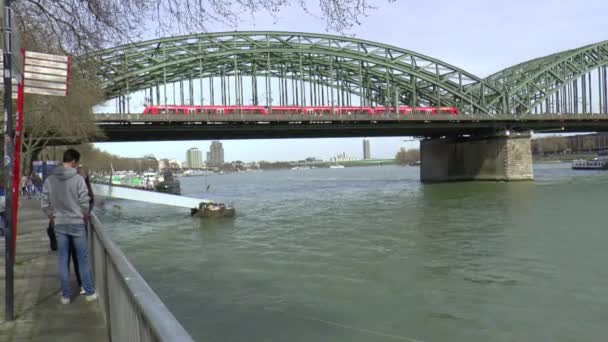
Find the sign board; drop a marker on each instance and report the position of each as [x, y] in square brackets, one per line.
[46, 74]
[43, 74]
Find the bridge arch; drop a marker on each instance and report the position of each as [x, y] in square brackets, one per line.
[558, 83]
[375, 73]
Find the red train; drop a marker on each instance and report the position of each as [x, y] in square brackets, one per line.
[292, 110]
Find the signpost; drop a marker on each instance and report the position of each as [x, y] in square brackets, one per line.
[8, 158]
[35, 73]
[44, 74]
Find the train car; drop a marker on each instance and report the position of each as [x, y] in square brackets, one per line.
[381, 110]
[317, 110]
[150, 110]
[448, 110]
[293, 110]
[259, 110]
[169, 109]
[285, 110]
[425, 110]
[351, 110]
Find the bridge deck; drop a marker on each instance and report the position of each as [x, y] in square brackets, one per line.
[355, 117]
[138, 127]
[39, 316]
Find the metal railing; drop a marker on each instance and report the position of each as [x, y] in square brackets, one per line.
[132, 310]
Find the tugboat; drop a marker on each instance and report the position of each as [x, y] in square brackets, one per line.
[212, 210]
[597, 163]
[169, 185]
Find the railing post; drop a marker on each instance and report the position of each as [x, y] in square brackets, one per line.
[106, 291]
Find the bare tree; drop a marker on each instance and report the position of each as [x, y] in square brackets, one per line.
[404, 156]
[60, 119]
[81, 25]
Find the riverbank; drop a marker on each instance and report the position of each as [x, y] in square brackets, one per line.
[564, 158]
[300, 165]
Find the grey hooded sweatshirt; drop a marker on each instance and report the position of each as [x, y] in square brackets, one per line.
[65, 196]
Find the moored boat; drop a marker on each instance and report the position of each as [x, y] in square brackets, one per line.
[169, 184]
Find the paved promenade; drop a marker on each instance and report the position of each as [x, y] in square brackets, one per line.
[39, 315]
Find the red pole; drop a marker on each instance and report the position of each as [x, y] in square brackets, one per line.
[17, 162]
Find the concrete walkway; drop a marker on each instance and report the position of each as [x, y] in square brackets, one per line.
[39, 315]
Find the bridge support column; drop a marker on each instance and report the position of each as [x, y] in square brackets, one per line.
[504, 157]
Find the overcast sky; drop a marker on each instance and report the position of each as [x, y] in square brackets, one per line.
[480, 36]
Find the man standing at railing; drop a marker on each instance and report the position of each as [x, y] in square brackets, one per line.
[65, 200]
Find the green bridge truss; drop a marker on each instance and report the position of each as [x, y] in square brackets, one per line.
[317, 69]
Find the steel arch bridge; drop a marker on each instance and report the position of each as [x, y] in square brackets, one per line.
[293, 68]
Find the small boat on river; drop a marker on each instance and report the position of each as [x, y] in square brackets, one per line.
[212, 210]
[598, 163]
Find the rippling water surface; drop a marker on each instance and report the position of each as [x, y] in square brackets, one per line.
[371, 254]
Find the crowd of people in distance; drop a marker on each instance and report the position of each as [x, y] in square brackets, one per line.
[31, 185]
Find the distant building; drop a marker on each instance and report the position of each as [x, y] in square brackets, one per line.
[163, 164]
[194, 158]
[166, 164]
[215, 156]
[366, 150]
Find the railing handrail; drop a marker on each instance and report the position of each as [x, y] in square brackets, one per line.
[161, 321]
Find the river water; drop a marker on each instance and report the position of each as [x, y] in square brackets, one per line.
[371, 254]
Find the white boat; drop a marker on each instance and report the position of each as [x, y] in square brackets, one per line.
[191, 173]
[336, 166]
[598, 163]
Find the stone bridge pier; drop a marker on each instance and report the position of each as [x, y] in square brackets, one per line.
[500, 157]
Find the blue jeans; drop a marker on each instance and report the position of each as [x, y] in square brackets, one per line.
[82, 254]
